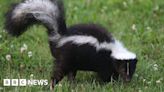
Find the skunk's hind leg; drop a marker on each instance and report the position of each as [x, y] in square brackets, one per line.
[71, 75]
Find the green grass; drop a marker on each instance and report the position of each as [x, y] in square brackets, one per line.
[118, 16]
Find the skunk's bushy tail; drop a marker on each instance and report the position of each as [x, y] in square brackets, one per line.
[50, 13]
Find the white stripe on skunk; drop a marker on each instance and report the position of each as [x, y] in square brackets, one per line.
[45, 6]
[118, 50]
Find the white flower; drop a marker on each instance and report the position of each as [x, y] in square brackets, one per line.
[155, 67]
[32, 76]
[30, 54]
[158, 81]
[148, 28]
[134, 27]
[8, 57]
[60, 85]
[144, 80]
[23, 48]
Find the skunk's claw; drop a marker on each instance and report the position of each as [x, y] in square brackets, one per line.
[52, 85]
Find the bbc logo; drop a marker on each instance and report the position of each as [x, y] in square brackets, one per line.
[14, 82]
[25, 82]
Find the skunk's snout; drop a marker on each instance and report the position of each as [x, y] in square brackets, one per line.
[127, 79]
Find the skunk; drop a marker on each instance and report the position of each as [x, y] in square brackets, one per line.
[87, 47]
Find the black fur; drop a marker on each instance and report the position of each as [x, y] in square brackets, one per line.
[91, 29]
[71, 57]
[62, 27]
[17, 27]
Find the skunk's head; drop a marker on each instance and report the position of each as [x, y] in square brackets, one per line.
[125, 68]
[124, 61]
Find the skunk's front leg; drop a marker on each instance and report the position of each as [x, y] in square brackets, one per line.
[105, 75]
[59, 71]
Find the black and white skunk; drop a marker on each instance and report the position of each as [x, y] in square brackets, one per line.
[80, 47]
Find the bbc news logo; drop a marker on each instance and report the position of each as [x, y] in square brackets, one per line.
[24, 82]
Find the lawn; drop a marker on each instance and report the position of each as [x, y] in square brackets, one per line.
[139, 24]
